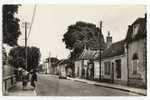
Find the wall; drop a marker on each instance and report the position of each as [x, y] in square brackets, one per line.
[62, 70]
[9, 78]
[78, 65]
[139, 48]
[96, 70]
[123, 79]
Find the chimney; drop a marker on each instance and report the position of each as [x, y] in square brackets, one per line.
[145, 16]
[108, 40]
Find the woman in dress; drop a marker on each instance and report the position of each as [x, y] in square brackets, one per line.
[25, 79]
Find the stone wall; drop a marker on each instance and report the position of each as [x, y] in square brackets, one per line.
[137, 47]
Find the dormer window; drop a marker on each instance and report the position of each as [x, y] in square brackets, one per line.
[135, 29]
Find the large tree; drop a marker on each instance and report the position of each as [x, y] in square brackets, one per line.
[81, 34]
[17, 57]
[11, 28]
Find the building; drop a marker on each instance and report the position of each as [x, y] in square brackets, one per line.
[84, 66]
[8, 73]
[46, 69]
[123, 62]
[113, 62]
[137, 54]
[49, 65]
[65, 68]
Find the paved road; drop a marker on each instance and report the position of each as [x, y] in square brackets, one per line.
[53, 86]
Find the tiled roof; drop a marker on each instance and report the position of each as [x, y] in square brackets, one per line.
[64, 61]
[88, 54]
[115, 49]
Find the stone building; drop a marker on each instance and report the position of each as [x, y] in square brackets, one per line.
[137, 55]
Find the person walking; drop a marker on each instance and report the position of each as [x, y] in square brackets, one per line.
[33, 79]
[25, 79]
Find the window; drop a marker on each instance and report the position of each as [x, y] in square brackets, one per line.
[118, 68]
[107, 68]
[135, 29]
[135, 63]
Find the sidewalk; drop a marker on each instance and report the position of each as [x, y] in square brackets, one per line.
[17, 90]
[114, 86]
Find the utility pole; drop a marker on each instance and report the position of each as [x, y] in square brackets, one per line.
[26, 45]
[25, 25]
[49, 63]
[100, 50]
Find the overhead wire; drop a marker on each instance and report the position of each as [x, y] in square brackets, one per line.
[32, 20]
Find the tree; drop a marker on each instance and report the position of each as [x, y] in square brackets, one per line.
[17, 56]
[11, 28]
[4, 56]
[81, 34]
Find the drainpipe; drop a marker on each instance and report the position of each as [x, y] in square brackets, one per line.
[127, 65]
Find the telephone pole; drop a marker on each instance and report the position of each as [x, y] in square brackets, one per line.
[49, 63]
[100, 50]
[26, 45]
[25, 26]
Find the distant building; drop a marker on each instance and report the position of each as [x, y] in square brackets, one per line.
[65, 68]
[49, 65]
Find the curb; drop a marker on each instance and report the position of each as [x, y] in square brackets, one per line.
[120, 89]
[111, 87]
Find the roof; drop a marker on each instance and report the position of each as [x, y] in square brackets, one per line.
[141, 31]
[64, 61]
[115, 49]
[88, 54]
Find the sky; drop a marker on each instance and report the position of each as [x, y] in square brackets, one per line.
[52, 21]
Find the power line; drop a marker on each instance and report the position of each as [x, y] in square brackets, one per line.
[33, 17]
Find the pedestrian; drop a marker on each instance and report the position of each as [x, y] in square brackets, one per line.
[33, 79]
[25, 79]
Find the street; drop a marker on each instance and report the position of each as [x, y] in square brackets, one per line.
[49, 85]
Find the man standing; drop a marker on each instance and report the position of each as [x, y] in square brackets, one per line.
[33, 78]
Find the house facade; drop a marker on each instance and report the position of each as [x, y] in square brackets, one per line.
[137, 54]
[84, 66]
[123, 62]
[78, 68]
[113, 63]
[64, 68]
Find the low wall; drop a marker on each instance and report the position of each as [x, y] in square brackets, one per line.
[9, 79]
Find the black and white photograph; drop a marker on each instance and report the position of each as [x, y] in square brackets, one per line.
[74, 50]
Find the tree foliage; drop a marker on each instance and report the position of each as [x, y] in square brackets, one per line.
[17, 57]
[81, 34]
[11, 28]
[4, 55]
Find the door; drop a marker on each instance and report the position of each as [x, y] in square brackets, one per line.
[112, 75]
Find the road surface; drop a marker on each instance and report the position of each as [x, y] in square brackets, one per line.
[49, 85]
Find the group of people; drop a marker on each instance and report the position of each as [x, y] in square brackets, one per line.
[29, 76]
